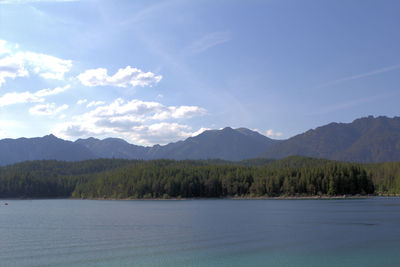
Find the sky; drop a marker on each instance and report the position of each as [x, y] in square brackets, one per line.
[154, 72]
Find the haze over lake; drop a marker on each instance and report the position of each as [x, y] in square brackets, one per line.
[357, 232]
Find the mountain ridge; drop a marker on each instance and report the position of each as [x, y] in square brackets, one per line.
[41, 148]
[225, 144]
[365, 140]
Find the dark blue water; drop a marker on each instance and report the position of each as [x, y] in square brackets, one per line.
[200, 233]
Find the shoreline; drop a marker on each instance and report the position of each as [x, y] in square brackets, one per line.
[323, 197]
[246, 198]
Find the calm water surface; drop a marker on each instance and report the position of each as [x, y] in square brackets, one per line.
[200, 233]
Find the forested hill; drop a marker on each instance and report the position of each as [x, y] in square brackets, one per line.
[364, 140]
[108, 178]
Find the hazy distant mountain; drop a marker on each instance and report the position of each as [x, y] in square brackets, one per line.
[47, 147]
[364, 140]
[113, 148]
[226, 144]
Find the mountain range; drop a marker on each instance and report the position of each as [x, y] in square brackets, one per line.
[226, 144]
[364, 140]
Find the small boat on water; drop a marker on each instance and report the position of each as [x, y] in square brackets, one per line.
[6, 204]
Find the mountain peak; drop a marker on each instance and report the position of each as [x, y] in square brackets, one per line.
[247, 131]
[227, 129]
[50, 136]
[226, 143]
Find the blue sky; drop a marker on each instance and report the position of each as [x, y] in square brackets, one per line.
[160, 71]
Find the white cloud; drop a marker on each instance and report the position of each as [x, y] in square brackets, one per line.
[48, 67]
[145, 110]
[28, 97]
[48, 109]
[201, 130]
[48, 91]
[165, 113]
[94, 104]
[138, 121]
[9, 126]
[81, 101]
[271, 133]
[146, 134]
[3, 134]
[160, 133]
[20, 64]
[18, 98]
[12, 67]
[123, 77]
[3, 47]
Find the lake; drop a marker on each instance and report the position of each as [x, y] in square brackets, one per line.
[351, 232]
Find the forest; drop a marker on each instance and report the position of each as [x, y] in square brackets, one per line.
[136, 179]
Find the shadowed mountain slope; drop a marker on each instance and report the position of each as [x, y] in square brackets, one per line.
[364, 140]
[227, 144]
[113, 148]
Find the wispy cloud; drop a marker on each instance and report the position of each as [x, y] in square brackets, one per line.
[34, 1]
[49, 92]
[148, 12]
[352, 103]
[3, 47]
[28, 97]
[359, 76]
[210, 40]
[49, 109]
[81, 101]
[95, 103]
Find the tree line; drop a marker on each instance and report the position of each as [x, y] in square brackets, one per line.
[114, 178]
